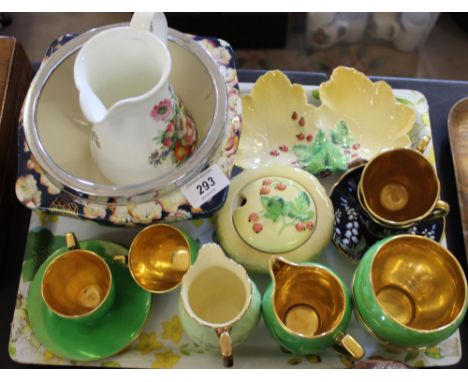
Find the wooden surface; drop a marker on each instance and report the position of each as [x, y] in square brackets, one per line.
[15, 77]
[458, 135]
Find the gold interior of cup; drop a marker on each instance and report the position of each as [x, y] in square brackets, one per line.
[159, 257]
[399, 185]
[309, 301]
[418, 282]
[76, 283]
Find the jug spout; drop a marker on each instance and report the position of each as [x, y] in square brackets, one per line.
[92, 107]
[211, 254]
[278, 266]
[214, 274]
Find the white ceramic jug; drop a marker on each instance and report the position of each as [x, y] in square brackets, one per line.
[140, 128]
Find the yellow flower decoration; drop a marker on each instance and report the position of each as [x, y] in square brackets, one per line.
[165, 360]
[147, 342]
[44, 218]
[172, 330]
[426, 119]
[198, 222]
[48, 355]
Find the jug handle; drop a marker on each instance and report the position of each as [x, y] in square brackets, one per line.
[348, 347]
[423, 143]
[154, 22]
[71, 241]
[225, 345]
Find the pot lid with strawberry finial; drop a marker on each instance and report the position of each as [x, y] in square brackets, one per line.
[271, 210]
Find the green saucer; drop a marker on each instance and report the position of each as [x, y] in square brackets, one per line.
[99, 339]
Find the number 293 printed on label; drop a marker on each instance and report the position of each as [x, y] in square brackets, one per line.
[205, 185]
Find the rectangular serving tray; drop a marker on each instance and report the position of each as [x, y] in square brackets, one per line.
[163, 343]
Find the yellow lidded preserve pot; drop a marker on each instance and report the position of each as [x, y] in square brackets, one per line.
[275, 210]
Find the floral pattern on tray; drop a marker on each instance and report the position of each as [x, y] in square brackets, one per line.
[36, 191]
[162, 343]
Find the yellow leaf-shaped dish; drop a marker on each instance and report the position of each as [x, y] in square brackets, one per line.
[269, 130]
[356, 119]
[374, 118]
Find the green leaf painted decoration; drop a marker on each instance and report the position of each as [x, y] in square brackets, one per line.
[321, 156]
[275, 206]
[39, 245]
[310, 158]
[316, 94]
[12, 350]
[421, 100]
[340, 136]
[434, 353]
[299, 208]
[404, 101]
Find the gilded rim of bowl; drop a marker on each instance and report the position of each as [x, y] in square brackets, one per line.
[374, 295]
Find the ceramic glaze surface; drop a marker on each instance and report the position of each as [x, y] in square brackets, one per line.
[103, 337]
[159, 257]
[382, 323]
[140, 127]
[207, 337]
[78, 285]
[355, 231]
[304, 217]
[59, 107]
[276, 215]
[400, 187]
[162, 342]
[280, 126]
[230, 303]
[300, 343]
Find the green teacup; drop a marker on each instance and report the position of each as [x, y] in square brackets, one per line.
[307, 309]
[78, 284]
[410, 292]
